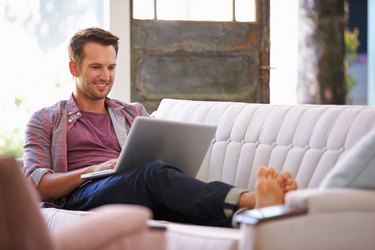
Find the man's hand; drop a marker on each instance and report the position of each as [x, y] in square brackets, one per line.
[110, 164]
[58, 185]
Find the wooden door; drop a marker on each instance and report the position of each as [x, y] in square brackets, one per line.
[201, 60]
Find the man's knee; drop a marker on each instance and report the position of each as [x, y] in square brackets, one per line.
[154, 167]
[159, 168]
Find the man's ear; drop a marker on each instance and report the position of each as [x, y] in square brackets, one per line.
[73, 68]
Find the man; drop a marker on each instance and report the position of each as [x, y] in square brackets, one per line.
[85, 133]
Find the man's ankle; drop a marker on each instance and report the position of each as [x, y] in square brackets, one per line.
[247, 200]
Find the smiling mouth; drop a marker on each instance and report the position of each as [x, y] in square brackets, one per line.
[101, 84]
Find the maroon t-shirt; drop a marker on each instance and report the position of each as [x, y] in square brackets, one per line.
[92, 140]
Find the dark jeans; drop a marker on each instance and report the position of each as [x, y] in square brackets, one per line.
[164, 189]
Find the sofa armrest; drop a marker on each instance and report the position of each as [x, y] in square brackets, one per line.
[334, 219]
[261, 215]
[331, 200]
[300, 202]
[110, 227]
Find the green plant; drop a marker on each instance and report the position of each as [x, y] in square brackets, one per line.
[351, 42]
[11, 135]
[11, 142]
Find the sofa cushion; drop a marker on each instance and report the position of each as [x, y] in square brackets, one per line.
[57, 218]
[357, 168]
[184, 236]
[305, 140]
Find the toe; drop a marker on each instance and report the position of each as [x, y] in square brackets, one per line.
[262, 172]
[272, 173]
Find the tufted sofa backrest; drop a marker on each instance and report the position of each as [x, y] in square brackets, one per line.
[306, 140]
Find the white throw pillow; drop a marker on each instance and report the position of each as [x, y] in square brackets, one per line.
[357, 168]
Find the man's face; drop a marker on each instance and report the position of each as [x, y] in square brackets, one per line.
[96, 71]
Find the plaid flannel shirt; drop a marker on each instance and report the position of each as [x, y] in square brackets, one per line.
[45, 148]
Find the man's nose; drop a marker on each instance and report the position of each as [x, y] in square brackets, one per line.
[105, 74]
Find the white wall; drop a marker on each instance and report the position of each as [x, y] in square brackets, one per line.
[284, 51]
[283, 57]
[119, 25]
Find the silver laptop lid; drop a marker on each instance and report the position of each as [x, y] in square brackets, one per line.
[180, 144]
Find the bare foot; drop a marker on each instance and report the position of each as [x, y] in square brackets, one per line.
[270, 188]
[286, 182]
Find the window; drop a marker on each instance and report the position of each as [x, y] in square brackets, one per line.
[35, 70]
[195, 10]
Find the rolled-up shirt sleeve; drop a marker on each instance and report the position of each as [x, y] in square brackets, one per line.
[37, 156]
[38, 173]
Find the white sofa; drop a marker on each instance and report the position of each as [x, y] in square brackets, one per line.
[307, 141]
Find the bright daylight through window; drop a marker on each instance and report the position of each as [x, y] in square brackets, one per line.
[195, 10]
[35, 61]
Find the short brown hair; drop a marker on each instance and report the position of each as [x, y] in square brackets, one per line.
[98, 35]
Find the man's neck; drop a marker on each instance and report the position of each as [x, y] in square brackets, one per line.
[94, 106]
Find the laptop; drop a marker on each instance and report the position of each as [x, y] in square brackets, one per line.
[182, 145]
